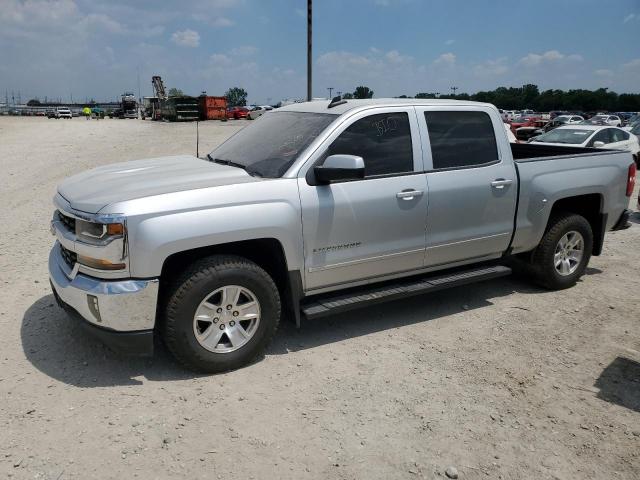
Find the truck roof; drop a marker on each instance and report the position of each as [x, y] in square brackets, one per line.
[322, 106]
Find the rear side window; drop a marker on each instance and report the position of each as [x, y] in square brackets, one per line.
[618, 135]
[382, 140]
[461, 139]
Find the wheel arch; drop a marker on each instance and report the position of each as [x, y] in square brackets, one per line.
[268, 253]
[590, 207]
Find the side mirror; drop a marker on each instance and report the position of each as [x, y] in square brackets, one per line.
[339, 167]
[598, 144]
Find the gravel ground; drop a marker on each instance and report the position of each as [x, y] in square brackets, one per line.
[499, 380]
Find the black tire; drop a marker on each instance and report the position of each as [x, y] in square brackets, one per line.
[192, 287]
[542, 264]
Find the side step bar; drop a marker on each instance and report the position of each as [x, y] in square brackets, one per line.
[328, 305]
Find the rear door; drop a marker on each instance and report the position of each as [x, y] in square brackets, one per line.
[472, 184]
[369, 228]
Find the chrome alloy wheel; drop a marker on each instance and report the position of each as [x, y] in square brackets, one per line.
[226, 319]
[568, 253]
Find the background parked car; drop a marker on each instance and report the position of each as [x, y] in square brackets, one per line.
[523, 121]
[255, 112]
[560, 120]
[237, 112]
[63, 112]
[556, 113]
[532, 128]
[604, 119]
[593, 136]
[632, 122]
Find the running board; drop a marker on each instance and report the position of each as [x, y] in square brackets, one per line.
[327, 305]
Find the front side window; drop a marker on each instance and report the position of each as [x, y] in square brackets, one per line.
[461, 139]
[601, 136]
[382, 140]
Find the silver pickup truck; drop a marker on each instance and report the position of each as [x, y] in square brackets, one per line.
[317, 208]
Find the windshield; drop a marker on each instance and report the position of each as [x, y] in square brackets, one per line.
[561, 119]
[268, 147]
[573, 136]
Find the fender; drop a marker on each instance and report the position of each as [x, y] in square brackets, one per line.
[209, 217]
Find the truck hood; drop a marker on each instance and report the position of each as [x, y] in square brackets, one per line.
[92, 190]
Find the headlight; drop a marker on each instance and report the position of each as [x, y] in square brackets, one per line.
[98, 233]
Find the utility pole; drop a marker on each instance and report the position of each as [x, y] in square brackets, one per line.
[139, 97]
[453, 89]
[309, 8]
[330, 90]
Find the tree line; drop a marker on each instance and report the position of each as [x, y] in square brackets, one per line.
[529, 96]
[507, 98]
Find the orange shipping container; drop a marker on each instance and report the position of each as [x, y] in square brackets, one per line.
[212, 108]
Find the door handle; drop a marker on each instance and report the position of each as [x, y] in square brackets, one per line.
[501, 183]
[409, 194]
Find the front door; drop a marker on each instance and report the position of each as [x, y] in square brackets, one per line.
[472, 187]
[365, 229]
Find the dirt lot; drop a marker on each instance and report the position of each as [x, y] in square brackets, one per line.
[500, 380]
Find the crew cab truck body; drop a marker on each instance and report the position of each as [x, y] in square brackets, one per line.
[322, 207]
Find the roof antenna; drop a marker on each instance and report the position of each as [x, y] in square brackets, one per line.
[197, 139]
[335, 101]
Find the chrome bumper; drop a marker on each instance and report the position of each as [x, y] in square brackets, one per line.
[119, 305]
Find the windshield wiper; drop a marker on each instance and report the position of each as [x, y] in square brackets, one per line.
[226, 162]
[232, 164]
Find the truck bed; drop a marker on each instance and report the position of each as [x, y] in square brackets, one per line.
[598, 177]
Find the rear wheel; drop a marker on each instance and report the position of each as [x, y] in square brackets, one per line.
[563, 253]
[220, 314]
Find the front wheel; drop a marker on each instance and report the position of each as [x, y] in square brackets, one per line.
[220, 314]
[563, 254]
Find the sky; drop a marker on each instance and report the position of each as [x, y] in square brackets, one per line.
[99, 49]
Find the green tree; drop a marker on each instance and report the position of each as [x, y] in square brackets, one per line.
[528, 96]
[363, 92]
[236, 97]
[347, 96]
[175, 92]
[425, 95]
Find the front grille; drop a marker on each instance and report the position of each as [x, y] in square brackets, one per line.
[68, 222]
[69, 257]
